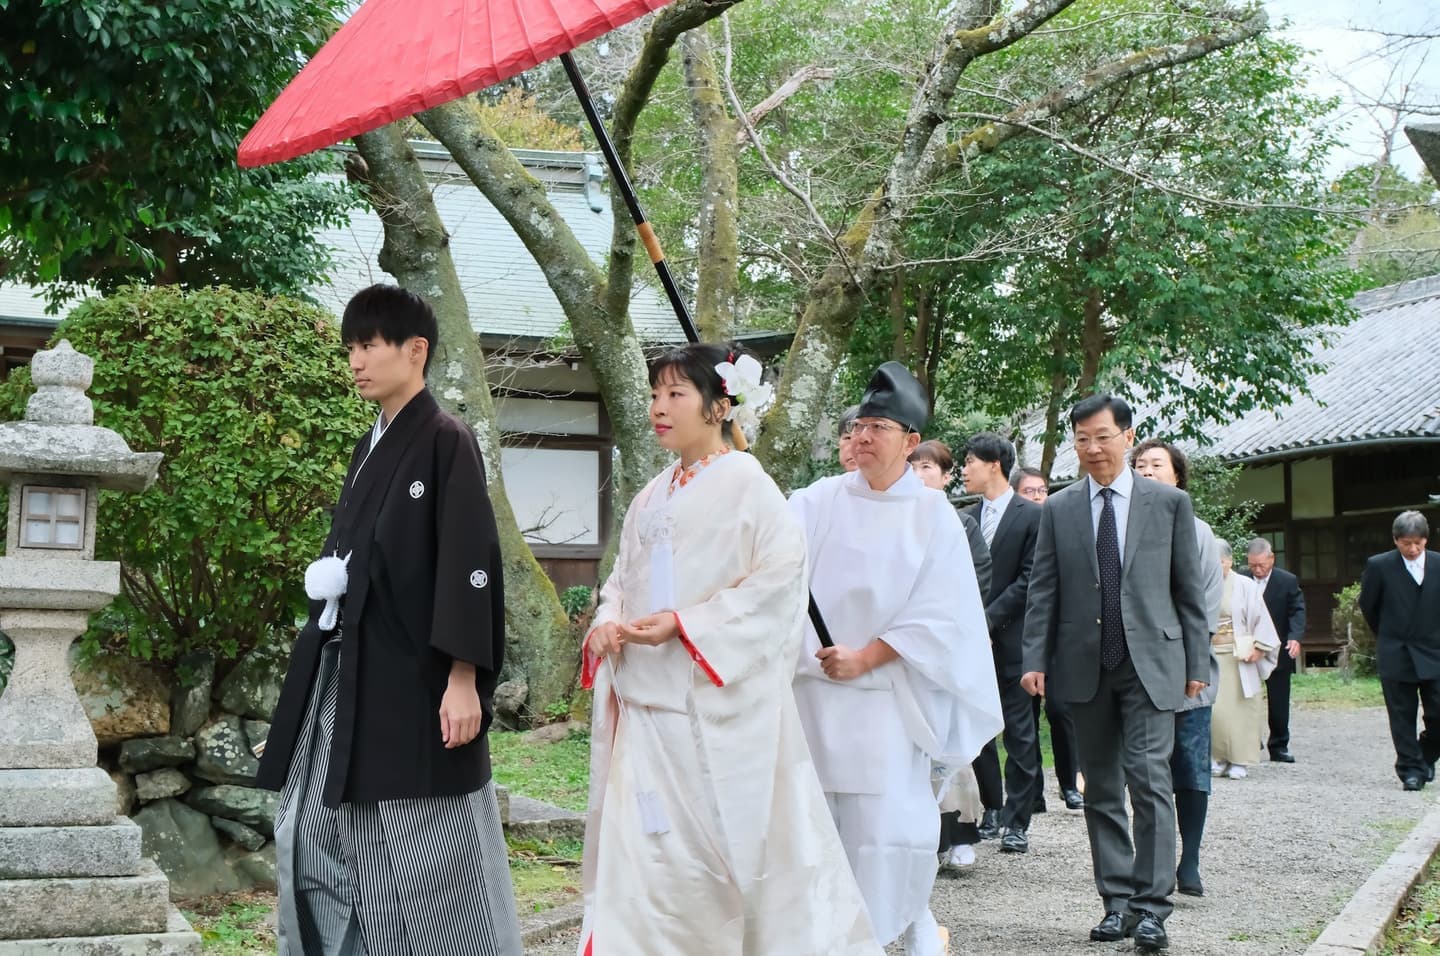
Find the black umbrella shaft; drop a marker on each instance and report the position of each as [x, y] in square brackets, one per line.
[632, 202]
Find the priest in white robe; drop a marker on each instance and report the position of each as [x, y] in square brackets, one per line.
[707, 833]
[909, 678]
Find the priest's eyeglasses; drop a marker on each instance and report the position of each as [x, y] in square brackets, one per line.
[880, 428]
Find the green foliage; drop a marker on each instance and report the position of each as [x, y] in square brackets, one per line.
[1174, 252]
[1348, 627]
[557, 773]
[250, 400]
[1335, 689]
[1399, 237]
[1212, 490]
[233, 926]
[1416, 928]
[117, 145]
[576, 600]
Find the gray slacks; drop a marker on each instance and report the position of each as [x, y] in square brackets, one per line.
[1125, 741]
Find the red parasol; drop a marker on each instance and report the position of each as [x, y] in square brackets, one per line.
[394, 58]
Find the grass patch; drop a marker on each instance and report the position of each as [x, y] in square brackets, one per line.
[233, 924]
[557, 773]
[1333, 688]
[1416, 931]
[546, 875]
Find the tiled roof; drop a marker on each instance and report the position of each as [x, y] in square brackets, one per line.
[507, 292]
[1379, 385]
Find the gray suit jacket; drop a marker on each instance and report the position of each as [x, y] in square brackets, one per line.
[1162, 596]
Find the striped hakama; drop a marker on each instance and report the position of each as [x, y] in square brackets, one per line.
[419, 877]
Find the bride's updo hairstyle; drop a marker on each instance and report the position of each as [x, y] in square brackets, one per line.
[695, 363]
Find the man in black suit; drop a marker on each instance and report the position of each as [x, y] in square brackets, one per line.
[1287, 610]
[1400, 598]
[1009, 525]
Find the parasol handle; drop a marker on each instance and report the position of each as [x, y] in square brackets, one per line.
[632, 202]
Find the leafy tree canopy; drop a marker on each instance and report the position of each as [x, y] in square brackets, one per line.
[118, 132]
[250, 399]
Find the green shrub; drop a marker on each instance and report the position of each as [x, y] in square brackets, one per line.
[251, 401]
[1357, 643]
[575, 600]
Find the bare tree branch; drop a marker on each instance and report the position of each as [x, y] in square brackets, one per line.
[783, 92]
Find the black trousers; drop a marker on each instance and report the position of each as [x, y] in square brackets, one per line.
[1062, 742]
[1277, 693]
[1015, 799]
[987, 775]
[1414, 756]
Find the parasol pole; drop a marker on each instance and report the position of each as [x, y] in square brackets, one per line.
[622, 182]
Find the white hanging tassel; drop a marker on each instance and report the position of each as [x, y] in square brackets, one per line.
[327, 580]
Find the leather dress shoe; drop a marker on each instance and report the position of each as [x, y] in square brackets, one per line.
[1281, 755]
[1015, 840]
[1113, 928]
[1149, 932]
[1429, 773]
[1412, 782]
[989, 825]
[1074, 800]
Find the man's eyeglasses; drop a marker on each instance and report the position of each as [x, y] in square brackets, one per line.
[880, 428]
[1083, 442]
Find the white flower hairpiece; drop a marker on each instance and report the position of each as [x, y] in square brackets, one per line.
[749, 396]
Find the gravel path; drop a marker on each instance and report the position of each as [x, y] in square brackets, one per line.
[1284, 850]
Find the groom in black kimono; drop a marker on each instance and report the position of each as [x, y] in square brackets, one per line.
[388, 836]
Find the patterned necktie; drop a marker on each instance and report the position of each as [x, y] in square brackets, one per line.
[989, 520]
[1107, 553]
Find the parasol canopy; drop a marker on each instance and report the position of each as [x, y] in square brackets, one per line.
[394, 58]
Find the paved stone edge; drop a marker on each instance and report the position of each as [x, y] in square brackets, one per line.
[1361, 925]
[541, 926]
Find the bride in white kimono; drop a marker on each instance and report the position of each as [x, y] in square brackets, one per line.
[910, 678]
[707, 831]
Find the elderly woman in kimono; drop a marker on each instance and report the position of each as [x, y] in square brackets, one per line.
[1248, 649]
[707, 832]
[902, 674]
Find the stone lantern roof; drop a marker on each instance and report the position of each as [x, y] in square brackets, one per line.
[59, 436]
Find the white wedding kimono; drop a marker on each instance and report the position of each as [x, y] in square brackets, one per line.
[893, 565]
[707, 831]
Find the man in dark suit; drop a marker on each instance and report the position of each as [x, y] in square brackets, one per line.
[1116, 628]
[1400, 598]
[1287, 610]
[1008, 524]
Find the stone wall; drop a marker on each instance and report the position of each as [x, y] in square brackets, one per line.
[181, 753]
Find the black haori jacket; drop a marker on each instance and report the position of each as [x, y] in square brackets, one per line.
[424, 588]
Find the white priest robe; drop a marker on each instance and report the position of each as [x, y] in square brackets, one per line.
[707, 830]
[893, 565]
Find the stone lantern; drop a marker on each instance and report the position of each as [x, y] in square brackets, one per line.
[72, 878]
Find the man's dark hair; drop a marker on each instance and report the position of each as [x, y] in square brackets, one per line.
[1178, 461]
[988, 446]
[1023, 472]
[396, 315]
[1092, 405]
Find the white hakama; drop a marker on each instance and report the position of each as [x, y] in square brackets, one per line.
[893, 565]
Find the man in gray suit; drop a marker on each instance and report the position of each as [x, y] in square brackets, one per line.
[1116, 628]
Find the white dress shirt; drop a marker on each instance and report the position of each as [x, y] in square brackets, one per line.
[1124, 488]
[1416, 568]
[997, 506]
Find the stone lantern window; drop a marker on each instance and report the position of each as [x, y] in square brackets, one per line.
[52, 517]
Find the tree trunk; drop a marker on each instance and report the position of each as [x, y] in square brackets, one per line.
[608, 342]
[718, 279]
[417, 253]
[1092, 341]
